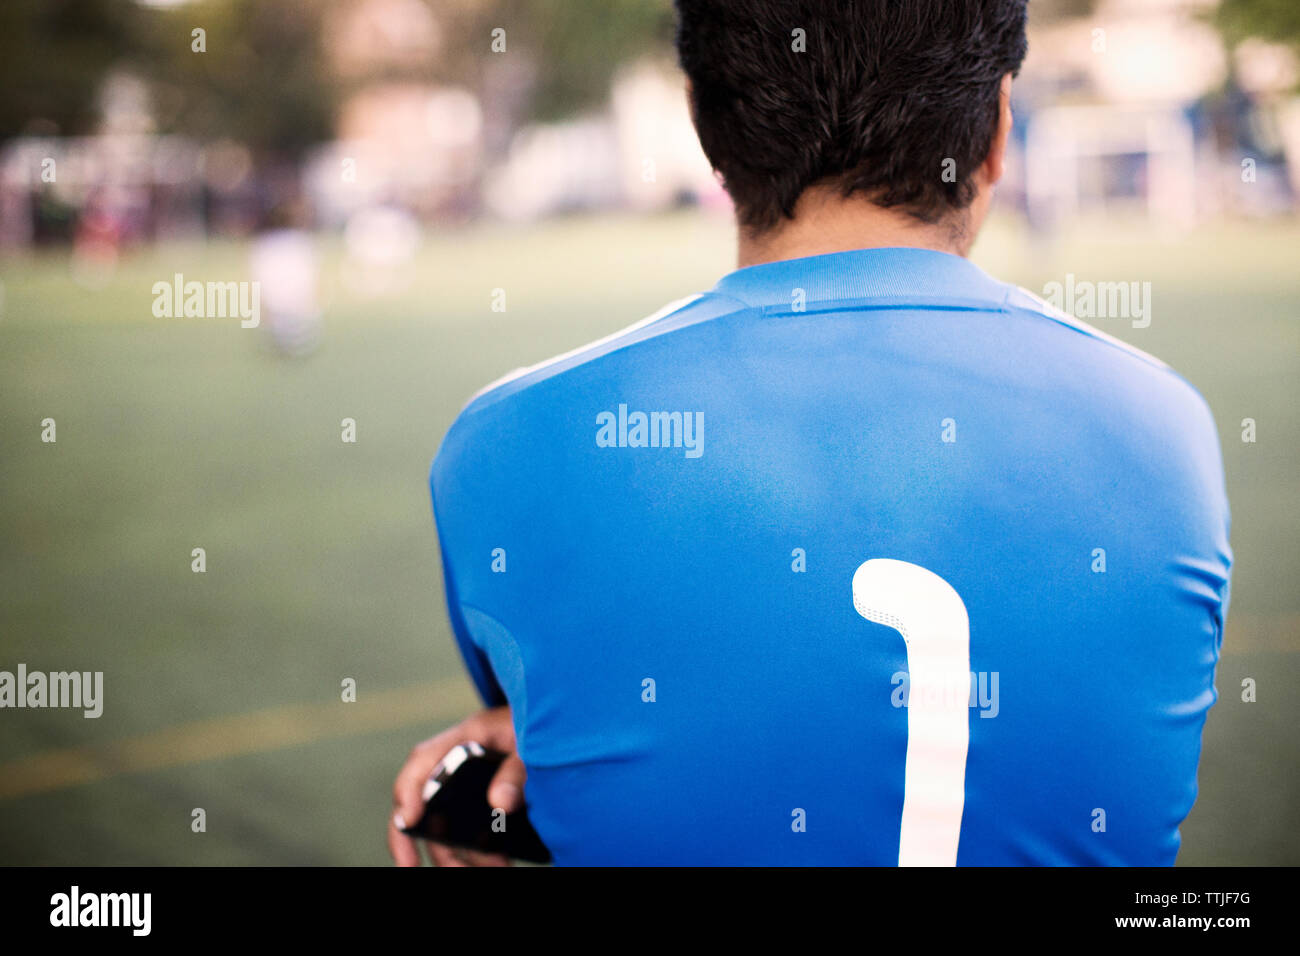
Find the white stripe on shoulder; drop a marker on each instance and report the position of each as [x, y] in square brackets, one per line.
[1065, 318]
[663, 313]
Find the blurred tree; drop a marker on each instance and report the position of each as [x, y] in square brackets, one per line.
[53, 56]
[577, 47]
[261, 79]
[1042, 12]
[1277, 20]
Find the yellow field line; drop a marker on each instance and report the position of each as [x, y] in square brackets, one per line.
[434, 703]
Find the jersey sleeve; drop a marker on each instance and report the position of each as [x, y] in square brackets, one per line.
[476, 661]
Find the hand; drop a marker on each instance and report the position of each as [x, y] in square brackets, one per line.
[491, 728]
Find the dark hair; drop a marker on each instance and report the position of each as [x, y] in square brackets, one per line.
[886, 91]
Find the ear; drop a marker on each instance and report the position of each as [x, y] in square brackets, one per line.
[994, 163]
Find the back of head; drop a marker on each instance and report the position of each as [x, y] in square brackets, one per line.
[877, 97]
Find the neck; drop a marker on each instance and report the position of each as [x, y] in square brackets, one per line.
[825, 222]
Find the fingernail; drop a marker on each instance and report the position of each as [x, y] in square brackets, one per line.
[399, 821]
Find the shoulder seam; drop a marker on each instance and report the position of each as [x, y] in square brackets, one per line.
[670, 309]
[1064, 318]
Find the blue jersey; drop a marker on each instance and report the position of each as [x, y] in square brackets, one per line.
[863, 558]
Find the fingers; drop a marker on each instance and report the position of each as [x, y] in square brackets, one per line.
[408, 801]
[479, 858]
[507, 788]
[408, 788]
[456, 856]
[443, 855]
[401, 847]
[493, 729]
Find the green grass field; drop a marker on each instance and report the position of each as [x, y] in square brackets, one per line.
[222, 689]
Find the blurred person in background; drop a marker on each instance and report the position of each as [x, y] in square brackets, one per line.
[97, 242]
[283, 261]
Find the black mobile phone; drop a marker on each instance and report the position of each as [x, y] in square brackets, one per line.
[457, 812]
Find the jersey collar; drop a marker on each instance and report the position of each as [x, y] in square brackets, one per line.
[886, 273]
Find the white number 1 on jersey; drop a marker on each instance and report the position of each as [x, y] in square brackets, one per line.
[930, 615]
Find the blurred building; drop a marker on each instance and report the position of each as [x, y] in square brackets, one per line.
[1126, 108]
[400, 139]
[641, 154]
